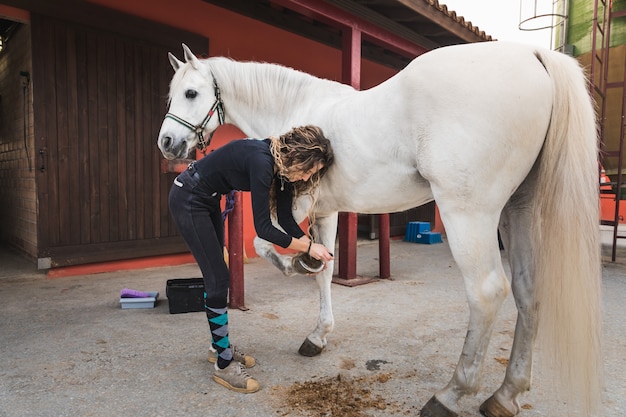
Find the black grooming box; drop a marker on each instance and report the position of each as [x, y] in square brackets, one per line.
[185, 295]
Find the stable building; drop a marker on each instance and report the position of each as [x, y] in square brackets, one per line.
[83, 92]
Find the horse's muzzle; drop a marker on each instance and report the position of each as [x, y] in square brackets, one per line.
[172, 150]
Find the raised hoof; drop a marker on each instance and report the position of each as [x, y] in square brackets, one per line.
[492, 408]
[434, 408]
[308, 348]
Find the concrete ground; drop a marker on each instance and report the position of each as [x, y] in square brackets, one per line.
[68, 349]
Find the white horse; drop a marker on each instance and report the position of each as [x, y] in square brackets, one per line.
[499, 135]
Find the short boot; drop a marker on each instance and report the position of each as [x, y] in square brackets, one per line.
[236, 378]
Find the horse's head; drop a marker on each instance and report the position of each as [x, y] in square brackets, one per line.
[194, 98]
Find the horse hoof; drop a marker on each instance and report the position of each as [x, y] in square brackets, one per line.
[305, 264]
[492, 408]
[308, 348]
[434, 408]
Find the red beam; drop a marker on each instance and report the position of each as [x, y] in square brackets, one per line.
[121, 265]
[337, 17]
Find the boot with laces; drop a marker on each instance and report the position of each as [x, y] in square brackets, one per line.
[238, 356]
[236, 378]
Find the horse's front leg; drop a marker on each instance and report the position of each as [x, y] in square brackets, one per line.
[325, 228]
[266, 250]
[473, 242]
[316, 340]
[326, 231]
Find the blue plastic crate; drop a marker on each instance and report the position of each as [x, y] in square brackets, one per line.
[429, 238]
[415, 229]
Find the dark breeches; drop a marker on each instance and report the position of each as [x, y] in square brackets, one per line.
[197, 214]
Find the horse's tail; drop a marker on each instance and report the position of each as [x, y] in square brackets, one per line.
[566, 238]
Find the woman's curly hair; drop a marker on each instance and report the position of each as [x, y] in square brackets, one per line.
[303, 147]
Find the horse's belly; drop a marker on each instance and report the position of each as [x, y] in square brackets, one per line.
[379, 194]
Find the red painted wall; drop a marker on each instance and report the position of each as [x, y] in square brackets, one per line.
[242, 38]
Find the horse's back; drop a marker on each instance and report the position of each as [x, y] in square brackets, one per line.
[469, 120]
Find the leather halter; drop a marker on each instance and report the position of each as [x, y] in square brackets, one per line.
[198, 129]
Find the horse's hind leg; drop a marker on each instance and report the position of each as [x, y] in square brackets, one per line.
[472, 236]
[515, 230]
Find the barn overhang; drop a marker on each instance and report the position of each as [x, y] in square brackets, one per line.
[393, 31]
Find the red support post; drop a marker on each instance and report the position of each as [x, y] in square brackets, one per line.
[350, 74]
[347, 245]
[348, 222]
[235, 254]
[351, 57]
[384, 258]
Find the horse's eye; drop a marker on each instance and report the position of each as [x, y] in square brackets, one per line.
[191, 93]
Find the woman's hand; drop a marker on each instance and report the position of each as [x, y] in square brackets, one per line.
[319, 251]
[316, 250]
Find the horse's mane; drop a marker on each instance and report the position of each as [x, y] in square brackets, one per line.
[250, 82]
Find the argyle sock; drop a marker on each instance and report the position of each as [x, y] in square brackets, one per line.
[218, 323]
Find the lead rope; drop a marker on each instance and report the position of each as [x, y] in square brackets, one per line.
[230, 204]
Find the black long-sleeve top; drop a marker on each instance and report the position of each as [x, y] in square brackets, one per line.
[248, 165]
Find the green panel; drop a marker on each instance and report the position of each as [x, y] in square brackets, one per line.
[580, 25]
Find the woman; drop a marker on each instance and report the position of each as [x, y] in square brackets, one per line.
[275, 171]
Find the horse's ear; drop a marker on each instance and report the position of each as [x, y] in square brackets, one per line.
[190, 57]
[174, 61]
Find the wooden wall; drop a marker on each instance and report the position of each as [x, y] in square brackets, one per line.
[18, 200]
[100, 97]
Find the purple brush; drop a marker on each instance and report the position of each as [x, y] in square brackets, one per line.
[128, 293]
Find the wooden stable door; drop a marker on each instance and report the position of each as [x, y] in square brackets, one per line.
[99, 100]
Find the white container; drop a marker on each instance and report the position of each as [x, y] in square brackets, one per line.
[144, 302]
